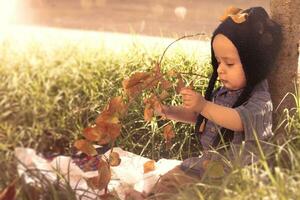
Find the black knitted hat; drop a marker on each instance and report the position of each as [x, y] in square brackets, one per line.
[257, 39]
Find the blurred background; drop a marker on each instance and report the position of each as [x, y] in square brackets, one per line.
[168, 18]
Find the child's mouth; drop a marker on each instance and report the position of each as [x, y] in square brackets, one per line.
[223, 81]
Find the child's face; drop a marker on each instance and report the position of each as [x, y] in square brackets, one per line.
[230, 69]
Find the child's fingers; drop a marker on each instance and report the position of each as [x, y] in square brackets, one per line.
[187, 98]
[187, 94]
[186, 91]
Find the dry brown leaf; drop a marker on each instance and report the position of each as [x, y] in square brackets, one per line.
[165, 84]
[135, 79]
[92, 133]
[180, 84]
[150, 100]
[163, 95]
[149, 166]
[172, 73]
[107, 116]
[231, 10]
[111, 130]
[105, 139]
[169, 132]
[239, 18]
[157, 70]
[158, 107]
[86, 147]
[101, 181]
[150, 83]
[135, 83]
[114, 159]
[133, 91]
[103, 132]
[117, 105]
[148, 113]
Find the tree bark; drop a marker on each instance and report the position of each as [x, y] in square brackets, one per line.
[283, 80]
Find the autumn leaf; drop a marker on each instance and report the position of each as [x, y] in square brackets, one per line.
[102, 133]
[151, 100]
[101, 181]
[114, 159]
[105, 139]
[86, 147]
[165, 84]
[9, 193]
[148, 113]
[231, 10]
[151, 83]
[107, 116]
[239, 18]
[168, 132]
[157, 70]
[92, 134]
[158, 107]
[180, 84]
[163, 95]
[117, 106]
[168, 135]
[135, 83]
[135, 79]
[149, 166]
[172, 73]
[109, 129]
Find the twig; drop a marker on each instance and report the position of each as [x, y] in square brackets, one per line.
[185, 36]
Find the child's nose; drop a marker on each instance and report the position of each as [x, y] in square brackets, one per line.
[220, 69]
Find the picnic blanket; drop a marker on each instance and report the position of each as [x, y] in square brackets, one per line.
[129, 174]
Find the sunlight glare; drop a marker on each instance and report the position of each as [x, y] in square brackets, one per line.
[7, 12]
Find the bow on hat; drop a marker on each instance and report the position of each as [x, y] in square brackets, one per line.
[235, 13]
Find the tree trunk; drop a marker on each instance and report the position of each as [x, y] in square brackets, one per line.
[284, 78]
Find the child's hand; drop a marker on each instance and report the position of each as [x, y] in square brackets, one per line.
[192, 100]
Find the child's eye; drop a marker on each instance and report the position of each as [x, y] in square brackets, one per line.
[230, 64]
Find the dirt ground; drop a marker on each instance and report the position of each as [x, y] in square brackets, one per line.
[171, 18]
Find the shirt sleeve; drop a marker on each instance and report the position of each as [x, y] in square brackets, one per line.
[256, 116]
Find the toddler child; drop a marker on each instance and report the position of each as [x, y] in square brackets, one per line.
[237, 117]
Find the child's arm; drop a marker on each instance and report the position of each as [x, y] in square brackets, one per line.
[221, 115]
[178, 113]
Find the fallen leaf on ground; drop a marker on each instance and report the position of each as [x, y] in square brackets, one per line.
[114, 159]
[149, 166]
[101, 181]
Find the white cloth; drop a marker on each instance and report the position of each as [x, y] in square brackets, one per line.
[130, 172]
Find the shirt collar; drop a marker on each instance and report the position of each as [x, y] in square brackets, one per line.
[225, 91]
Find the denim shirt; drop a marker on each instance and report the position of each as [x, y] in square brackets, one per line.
[256, 116]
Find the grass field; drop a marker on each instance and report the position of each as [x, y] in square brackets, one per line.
[50, 94]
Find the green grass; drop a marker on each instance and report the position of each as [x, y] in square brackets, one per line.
[49, 95]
